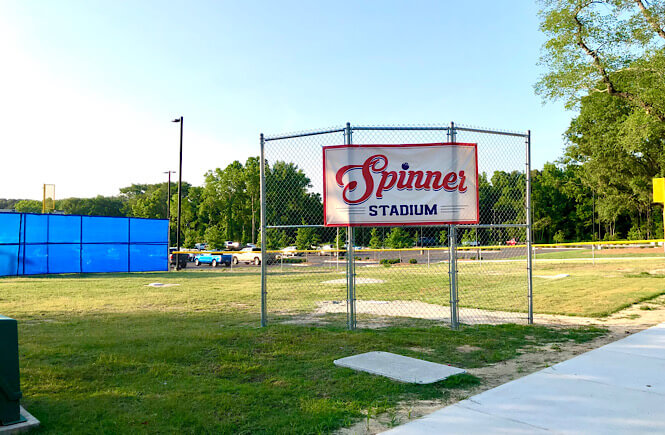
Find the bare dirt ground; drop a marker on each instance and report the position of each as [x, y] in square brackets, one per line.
[633, 319]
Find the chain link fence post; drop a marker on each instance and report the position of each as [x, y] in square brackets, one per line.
[454, 309]
[529, 248]
[350, 256]
[264, 240]
[452, 272]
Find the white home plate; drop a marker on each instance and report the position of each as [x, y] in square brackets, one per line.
[398, 367]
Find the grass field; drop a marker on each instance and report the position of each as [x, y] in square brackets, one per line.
[108, 354]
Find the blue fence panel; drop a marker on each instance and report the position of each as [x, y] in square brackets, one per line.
[10, 227]
[8, 259]
[105, 258]
[64, 258]
[34, 260]
[35, 228]
[148, 230]
[64, 229]
[32, 244]
[105, 230]
[146, 258]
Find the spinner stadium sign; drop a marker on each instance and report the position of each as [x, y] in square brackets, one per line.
[420, 184]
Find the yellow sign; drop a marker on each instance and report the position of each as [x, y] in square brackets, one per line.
[659, 190]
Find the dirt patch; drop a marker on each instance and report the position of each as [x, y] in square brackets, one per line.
[467, 348]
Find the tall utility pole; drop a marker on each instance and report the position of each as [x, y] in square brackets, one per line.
[177, 235]
[168, 203]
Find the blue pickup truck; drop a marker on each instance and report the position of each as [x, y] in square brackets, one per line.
[213, 259]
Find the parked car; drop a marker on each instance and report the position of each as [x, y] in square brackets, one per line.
[470, 243]
[232, 246]
[180, 258]
[290, 251]
[252, 255]
[427, 241]
[214, 259]
[201, 246]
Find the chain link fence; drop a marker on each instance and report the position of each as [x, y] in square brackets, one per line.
[369, 276]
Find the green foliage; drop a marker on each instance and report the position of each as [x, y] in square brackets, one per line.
[443, 237]
[306, 238]
[413, 261]
[375, 241]
[398, 238]
[389, 261]
[559, 237]
[28, 206]
[214, 236]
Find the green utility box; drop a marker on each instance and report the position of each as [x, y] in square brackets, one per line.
[10, 388]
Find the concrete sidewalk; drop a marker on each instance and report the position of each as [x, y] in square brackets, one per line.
[617, 388]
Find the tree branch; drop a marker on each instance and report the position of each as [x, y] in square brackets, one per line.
[650, 19]
[605, 77]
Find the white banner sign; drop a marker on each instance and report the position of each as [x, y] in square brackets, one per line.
[423, 184]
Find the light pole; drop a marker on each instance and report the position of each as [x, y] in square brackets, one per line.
[168, 204]
[177, 236]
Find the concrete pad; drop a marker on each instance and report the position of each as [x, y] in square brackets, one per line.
[459, 420]
[398, 367]
[30, 423]
[568, 405]
[617, 388]
[626, 370]
[649, 343]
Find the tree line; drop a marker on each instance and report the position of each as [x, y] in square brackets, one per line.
[227, 207]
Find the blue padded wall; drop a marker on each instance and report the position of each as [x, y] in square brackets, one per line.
[33, 244]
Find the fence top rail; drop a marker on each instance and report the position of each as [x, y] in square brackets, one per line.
[302, 134]
[402, 128]
[487, 131]
[268, 138]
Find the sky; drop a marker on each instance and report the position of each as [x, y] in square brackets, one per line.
[88, 89]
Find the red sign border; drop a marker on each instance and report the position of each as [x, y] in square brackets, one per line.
[401, 224]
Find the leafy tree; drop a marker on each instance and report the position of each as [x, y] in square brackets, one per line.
[28, 206]
[559, 237]
[375, 241]
[398, 238]
[613, 47]
[306, 237]
[443, 237]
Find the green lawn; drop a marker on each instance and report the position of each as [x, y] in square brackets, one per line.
[106, 354]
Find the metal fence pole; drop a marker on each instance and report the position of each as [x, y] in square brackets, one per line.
[529, 264]
[350, 260]
[452, 273]
[452, 263]
[264, 241]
